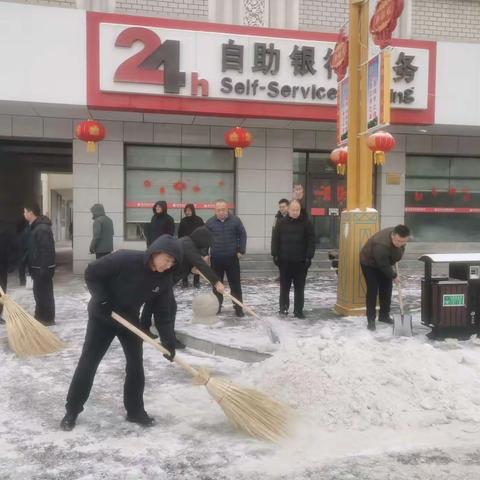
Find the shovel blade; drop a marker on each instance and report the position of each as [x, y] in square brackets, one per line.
[402, 326]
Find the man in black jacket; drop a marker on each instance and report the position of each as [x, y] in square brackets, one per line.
[292, 248]
[8, 254]
[229, 244]
[282, 210]
[187, 225]
[41, 263]
[161, 223]
[122, 282]
[377, 258]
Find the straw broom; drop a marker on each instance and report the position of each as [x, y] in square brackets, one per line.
[27, 336]
[249, 410]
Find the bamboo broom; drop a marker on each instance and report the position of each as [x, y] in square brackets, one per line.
[272, 334]
[27, 336]
[249, 410]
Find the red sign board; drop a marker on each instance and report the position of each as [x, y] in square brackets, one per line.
[198, 206]
[441, 210]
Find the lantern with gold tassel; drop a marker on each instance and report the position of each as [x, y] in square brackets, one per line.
[339, 157]
[90, 131]
[380, 142]
[238, 138]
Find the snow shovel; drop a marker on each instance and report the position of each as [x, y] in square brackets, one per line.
[402, 324]
[274, 338]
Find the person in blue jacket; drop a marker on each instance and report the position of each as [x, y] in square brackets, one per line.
[229, 244]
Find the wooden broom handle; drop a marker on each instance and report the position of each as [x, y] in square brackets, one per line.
[232, 298]
[153, 343]
[399, 287]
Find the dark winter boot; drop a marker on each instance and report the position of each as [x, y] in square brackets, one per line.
[178, 344]
[283, 312]
[371, 325]
[68, 422]
[184, 283]
[300, 315]
[142, 418]
[196, 281]
[388, 320]
[239, 312]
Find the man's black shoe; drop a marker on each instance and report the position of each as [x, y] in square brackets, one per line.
[283, 312]
[388, 320]
[300, 315]
[141, 418]
[196, 284]
[239, 313]
[371, 325]
[68, 422]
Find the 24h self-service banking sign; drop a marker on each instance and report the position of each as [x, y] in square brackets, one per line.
[169, 66]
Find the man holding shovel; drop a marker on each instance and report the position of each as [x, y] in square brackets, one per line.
[377, 258]
[121, 282]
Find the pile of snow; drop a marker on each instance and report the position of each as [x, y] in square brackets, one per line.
[364, 381]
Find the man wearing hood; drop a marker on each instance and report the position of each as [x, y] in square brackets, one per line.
[195, 249]
[41, 263]
[102, 241]
[161, 223]
[187, 225]
[123, 282]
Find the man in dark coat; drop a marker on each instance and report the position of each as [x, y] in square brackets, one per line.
[229, 244]
[23, 240]
[122, 282]
[282, 210]
[195, 249]
[8, 254]
[377, 257]
[41, 263]
[102, 241]
[292, 248]
[187, 225]
[161, 223]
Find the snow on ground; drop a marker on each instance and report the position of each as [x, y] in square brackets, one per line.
[367, 406]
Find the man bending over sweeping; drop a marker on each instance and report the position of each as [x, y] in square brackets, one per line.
[122, 282]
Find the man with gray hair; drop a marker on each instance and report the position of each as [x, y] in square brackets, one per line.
[229, 244]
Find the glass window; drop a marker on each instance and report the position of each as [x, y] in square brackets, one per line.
[147, 182]
[299, 162]
[442, 198]
[153, 157]
[319, 163]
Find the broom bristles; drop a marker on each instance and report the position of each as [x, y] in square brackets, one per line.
[27, 336]
[250, 410]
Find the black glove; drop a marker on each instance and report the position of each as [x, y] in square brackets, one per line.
[171, 349]
[308, 263]
[276, 261]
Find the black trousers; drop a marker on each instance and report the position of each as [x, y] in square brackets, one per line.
[22, 272]
[43, 294]
[98, 338]
[377, 284]
[100, 255]
[147, 312]
[297, 273]
[231, 267]
[3, 282]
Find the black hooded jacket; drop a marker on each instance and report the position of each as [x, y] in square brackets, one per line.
[125, 281]
[195, 247]
[189, 224]
[41, 246]
[160, 224]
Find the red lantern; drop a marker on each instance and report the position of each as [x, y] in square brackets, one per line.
[238, 138]
[418, 196]
[339, 157]
[196, 188]
[90, 131]
[452, 191]
[380, 142]
[147, 184]
[434, 192]
[161, 190]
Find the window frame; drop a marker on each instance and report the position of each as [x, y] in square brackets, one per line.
[126, 169]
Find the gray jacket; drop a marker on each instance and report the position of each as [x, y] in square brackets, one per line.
[102, 241]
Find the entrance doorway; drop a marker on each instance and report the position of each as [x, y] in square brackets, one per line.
[325, 195]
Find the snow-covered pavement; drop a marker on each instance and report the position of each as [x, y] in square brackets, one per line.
[368, 406]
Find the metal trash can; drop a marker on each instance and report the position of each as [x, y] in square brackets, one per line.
[452, 302]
